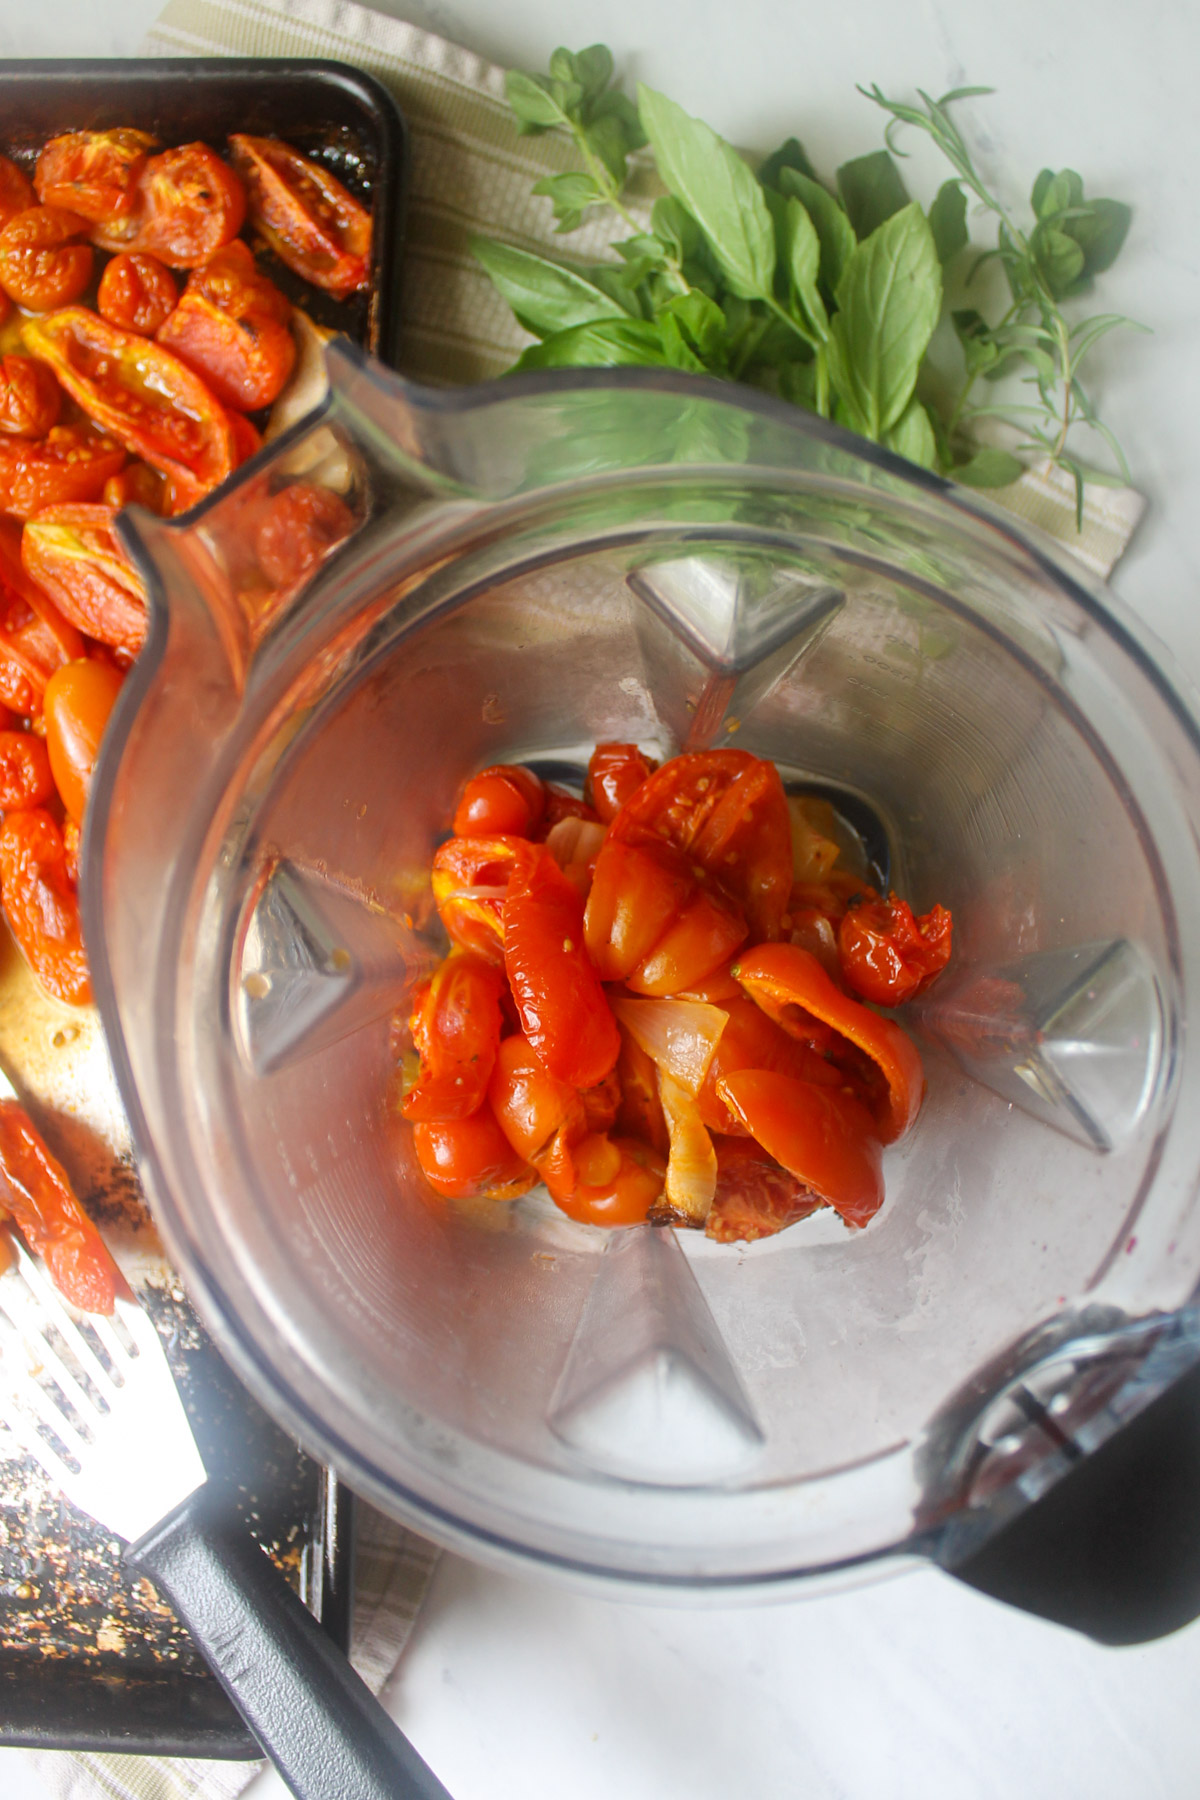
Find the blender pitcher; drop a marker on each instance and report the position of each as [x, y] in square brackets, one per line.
[514, 572]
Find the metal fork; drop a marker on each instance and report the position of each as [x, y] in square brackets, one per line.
[94, 1402]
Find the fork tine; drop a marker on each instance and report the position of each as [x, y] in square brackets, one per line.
[25, 1389]
[36, 1447]
[37, 1305]
[37, 1344]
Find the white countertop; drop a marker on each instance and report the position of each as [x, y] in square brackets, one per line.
[914, 1687]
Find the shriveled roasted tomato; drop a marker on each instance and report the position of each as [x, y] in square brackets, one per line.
[614, 774]
[755, 1196]
[562, 1006]
[824, 1137]
[887, 955]
[78, 701]
[40, 904]
[751, 1040]
[93, 173]
[470, 881]
[138, 485]
[30, 398]
[455, 1024]
[466, 1159]
[313, 224]
[42, 263]
[136, 293]
[35, 639]
[298, 528]
[140, 394]
[70, 464]
[37, 1192]
[16, 190]
[188, 203]
[74, 554]
[231, 327]
[25, 778]
[506, 798]
[541, 1117]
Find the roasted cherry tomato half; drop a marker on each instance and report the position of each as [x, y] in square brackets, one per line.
[30, 397]
[825, 1138]
[139, 393]
[93, 173]
[231, 327]
[136, 293]
[39, 1196]
[25, 778]
[138, 485]
[467, 1159]
[78, 701]
[74, 554]
[16, 190]
[188, 204]
[35, 639]
[650, 923]
[506, 799]
[455, 1023]
[470, 882]
[614, 774]
[40, 905]
[618, 1181]
[70, 464]
[887, 955]
[313, 224]
[541, 1116]
[562, 1007]
[751, 1040]
[42, 263]
[297, 530]
[755, 1196]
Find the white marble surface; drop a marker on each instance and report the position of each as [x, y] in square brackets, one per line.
[915, 1687]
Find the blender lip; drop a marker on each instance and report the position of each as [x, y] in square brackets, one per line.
[1131, 637]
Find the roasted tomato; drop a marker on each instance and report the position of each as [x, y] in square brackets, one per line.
[40, 904]
[188, 203]
[298, 528]
[138, 485]
[506, 798]
[38, 1195]
[78, 701]
[35, 639]
[755, 1197]
[562, 1006]
[470, 881]
[314, 226]
[93, 173]
[141, 394]
[136, 293]
[16, 190]
[887, 955]
[822, 1136]
[74, 554]
[618, 1181]
[650, 923]
[455, 1023]
[751, 1040]
[30, 398]
[25, 778]
[231, 327]
[42, 263]
[247, 440]
[466, 1159]
[541, 1117]
[70, 464]
[614, 774]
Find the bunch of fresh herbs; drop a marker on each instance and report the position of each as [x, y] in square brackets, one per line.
[827, 295]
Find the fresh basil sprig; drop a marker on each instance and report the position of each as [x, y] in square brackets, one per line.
[826, 295]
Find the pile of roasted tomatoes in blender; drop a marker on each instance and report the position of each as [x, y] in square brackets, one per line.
[140, 339]
[661, 1000]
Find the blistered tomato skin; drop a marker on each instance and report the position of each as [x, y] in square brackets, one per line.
[25, 778]
[93, 173]
[506, 798]
[187, 204]
[466, 1159]
[232, 327]
[42, 264]
[299, 527]
[615, 772]
[562, 1007]
[74, 555]
[136, 293]
[311, 221]
[40, 904]
[16, 190]
[30, 398]
[887, 955]
[39, 1196]
[69, 464]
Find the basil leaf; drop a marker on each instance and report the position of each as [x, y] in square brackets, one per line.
[912, 436]
[989, 467]
[545, 297]
[570, 194]
[678, 351]
[871, 191]
[604, 344]
[889, 300]
[702, 323]
[979, 348]
[532, 102]
[803, 247]
[948, 221]
[828, 216]
[676, 227]
[790, 155]
[1099, 230]
[719, 191]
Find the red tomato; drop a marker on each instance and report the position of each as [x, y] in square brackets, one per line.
[300, 526]
[30, 398]
[755, 1197]
[231, 327]
[71, 464]
[617, 1182]
[35, 639]
[93, 173]
[470, 881]
[74, 554]
[247, 441]
[540, 1116]
[562, 1006]
[311, 222]
[136, 293]
[188, 203]
[467, 1159]
[791, 987]
[78, 701]
[41, 264]
[455, 1025]
[650, 923]
[16, 190]
[506, 799]
[823, 1137]
[141, 394]
[38, 1194]
[25, 778]
[751, 1040]
[614, 774]
[40, 905]
[138, 485]
[887, 955]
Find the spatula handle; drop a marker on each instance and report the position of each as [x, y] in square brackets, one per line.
[319, 1723]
